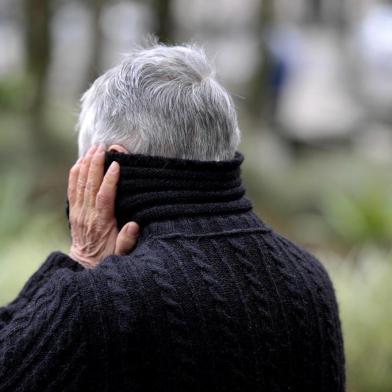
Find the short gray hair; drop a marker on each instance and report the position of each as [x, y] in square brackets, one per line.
[161, 100]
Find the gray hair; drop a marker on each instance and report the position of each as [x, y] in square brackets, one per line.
[161, 101]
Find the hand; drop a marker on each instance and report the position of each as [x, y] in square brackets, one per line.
[91, 197]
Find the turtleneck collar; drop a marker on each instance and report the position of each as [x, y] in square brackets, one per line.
[159, 189]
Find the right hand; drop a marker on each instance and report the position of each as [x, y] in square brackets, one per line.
[91, 196]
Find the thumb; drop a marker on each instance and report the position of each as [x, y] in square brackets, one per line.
[127, 238]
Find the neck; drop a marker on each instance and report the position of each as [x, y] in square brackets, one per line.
[160, 193]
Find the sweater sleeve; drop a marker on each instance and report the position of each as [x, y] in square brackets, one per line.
[43, 344]
[53, 263]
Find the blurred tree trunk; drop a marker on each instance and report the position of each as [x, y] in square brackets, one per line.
[38, 55]
[315, 14]
[95, 65]
[164, 28]
[341, 17]
[260, 99]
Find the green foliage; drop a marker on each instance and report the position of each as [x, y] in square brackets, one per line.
[25, 252]
[336, 198]
[13, 92]
[15, 209]
[362, 217]
[364, 291]
[28, 233]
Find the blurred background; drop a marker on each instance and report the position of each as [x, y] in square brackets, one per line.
[312, 81]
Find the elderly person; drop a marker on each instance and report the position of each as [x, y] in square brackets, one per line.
[172, 282]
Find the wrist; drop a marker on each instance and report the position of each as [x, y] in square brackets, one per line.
[86, 262]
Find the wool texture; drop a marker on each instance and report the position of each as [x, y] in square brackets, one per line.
[211, 298]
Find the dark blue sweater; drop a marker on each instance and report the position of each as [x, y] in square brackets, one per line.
[211, 299]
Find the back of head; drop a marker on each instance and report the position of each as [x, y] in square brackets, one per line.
[161, 101]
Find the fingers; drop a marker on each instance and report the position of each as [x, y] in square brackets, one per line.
[107, 192]
[94, 176]
[127, 238]
[83, 174]
[72, 181]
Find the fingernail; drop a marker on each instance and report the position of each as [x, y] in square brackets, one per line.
[132, 229]
[114, 167]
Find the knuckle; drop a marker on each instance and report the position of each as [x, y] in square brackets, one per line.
[90, 186]
[76, 220]
[110, 181]
[81, 223]
[73, 170]
[72, 221]
[71, 196]
[98, 226]
[96, 159]
[77, 224]
[81, 184]
[102, 198]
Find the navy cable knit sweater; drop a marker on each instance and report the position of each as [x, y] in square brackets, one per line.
[211, 299]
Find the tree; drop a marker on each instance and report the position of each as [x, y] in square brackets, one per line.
[95, 64]
[163, 20]
[259, 86]
[38, 15]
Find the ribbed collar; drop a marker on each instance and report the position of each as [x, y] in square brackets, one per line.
[155, 189]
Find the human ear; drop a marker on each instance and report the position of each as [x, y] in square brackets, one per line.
[118, 148]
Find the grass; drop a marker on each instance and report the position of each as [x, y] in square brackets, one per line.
[364, 290]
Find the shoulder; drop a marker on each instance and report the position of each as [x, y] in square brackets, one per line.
[303, 259]
[304, 274]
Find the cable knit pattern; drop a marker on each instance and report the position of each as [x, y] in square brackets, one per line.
[211, 299]
[258, 298]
